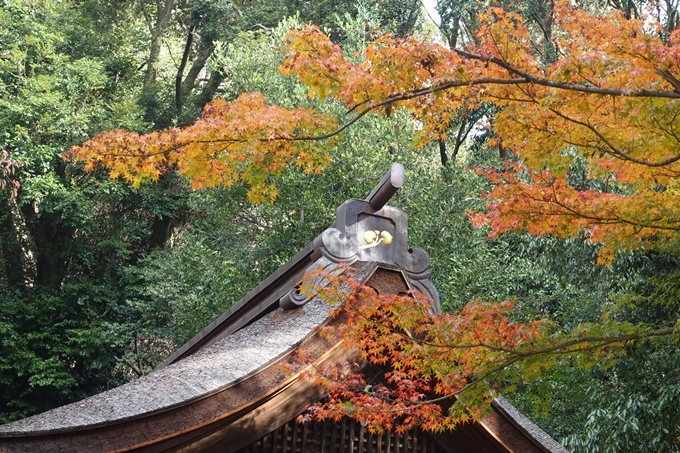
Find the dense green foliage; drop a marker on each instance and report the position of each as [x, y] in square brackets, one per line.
[93, 291]
[100, 282]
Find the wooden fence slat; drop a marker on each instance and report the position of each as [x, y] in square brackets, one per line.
[304, 437]
[345, 436]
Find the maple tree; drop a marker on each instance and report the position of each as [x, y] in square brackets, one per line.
[245, 140]
[610, 99]
[608, 105]
[437, 370]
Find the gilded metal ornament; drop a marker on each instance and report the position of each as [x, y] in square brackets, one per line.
[374, 238]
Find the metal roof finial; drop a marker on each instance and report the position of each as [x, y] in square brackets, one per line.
[387, 187]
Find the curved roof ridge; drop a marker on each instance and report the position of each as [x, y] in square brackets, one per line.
[533, 431]
[212, 369]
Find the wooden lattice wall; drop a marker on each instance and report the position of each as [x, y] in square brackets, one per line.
[346, 436]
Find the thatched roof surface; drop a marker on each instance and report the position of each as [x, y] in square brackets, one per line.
[212, 369]
[528, 427]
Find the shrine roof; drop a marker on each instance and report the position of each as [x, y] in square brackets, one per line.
[211, 369]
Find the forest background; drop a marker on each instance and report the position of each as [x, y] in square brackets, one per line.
[100, 281]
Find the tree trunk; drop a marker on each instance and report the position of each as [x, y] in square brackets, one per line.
[156, 28]
[11, 253]
[549, 46]
[454, 33]
[152, 62]
[179, 92]
[442, 152]
[503, 153]
[543, 16]
[203, 53]
[50, 239]
[161, 231]
[210, 88]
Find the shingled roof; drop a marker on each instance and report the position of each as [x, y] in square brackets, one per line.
[225, 389]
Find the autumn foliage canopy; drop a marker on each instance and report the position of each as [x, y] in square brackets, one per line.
[609, 105]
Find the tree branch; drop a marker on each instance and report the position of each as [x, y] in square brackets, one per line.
[529, 78]
[517, 355]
